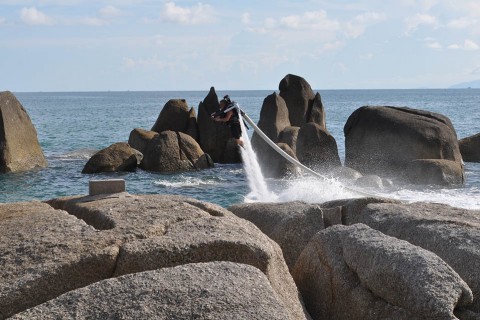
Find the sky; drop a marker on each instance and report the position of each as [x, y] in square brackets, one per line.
[75, 45]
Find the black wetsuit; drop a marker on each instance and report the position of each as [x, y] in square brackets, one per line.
[234, 124]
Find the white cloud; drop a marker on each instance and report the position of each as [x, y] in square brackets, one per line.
[367, 56]
[313, 20]
[33, 16]
[467, 45]
[420, 19]
[462, 23]
[110, 12]
[199, 14]
[433, 45]
[245, 18]
[153, 62]
[476, 70]
[357, 26]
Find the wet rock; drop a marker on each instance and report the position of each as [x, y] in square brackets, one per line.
[19, 146]
[435, 171]
[215, 290]
[355, 272]
[470, 148]
[117, 157]
[369, 181]
[345, 173]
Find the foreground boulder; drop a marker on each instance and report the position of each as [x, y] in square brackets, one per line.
[19, 146]
[385, 140]
[356, 272]
[171, 151]
[470, 148]
[214, 290]
[215, 138]
[451, 233]
[117, 157]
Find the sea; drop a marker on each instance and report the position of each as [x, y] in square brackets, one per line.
[72, 126]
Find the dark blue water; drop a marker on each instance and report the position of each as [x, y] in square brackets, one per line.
[71, 126]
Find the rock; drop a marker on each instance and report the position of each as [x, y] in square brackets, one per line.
[174, 152]
[435, 171]
[298, 96]
[470, 148]
[451, 233]
[174, 116]
[317, 148]
[355, 272]
[19, 146]
[215, 138]
[345, 173]
[290, 224]
[385, 140]
[370, 181]
[192, 126]
[139, 139]
[167, 231]
[273, 120]
[117, 157]
[317, 113]
[289, 136]
[45, 253]
[214, 290]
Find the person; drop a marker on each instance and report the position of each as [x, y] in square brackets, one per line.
[228, 115]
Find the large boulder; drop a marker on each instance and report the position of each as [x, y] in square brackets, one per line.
[290, 224]
[174, 117]
[451, 233]
[435, 171]
[19, 146]
[298, 96]
[317, 113]
[215, 138]
[139, 139]
[117, 157]
[470, 148]
[355, 272]
[289, 136]
[273, 120]
[167, 231]
[192, 127]
[171, 151]
[317, 148]
[47, 252]
[385, 140]
[214, 290]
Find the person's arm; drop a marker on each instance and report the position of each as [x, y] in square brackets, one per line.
[226, 118]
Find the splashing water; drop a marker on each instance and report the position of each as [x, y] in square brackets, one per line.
[258, 186]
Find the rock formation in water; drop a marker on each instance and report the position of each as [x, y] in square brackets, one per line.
[19, 146]
[470, 148]
[117, 157]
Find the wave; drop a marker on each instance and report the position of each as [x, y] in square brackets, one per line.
[186, 182]
[80, 154]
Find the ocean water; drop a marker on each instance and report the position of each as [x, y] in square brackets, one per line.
[71, 126]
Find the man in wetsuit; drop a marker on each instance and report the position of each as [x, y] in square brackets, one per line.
[228, 114]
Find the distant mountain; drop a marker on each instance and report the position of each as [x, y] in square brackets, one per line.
[469, 84]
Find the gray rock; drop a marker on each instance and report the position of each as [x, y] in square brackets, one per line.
[435, 171]
[19, 146]
[384, 140]
[470, 148]
[167, 231]
[290, 224]
[139, 139]
[215, 290]
[289, 136]
[215, 138]
[317, 112]
[298, 96]
[173, 117]
[451, 233]
[117, 157]
[317, 148]
[192, 126]
[46, 252]
[369, 181]
[171, 151]
[355, 272]
[345, 173]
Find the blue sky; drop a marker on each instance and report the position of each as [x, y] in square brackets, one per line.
[74, 45]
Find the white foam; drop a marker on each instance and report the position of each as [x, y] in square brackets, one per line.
[185, 182]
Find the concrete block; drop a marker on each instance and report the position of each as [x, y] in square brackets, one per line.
[106, 186]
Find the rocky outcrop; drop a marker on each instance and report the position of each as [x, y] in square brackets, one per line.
[317, 148]
[117, 157]
[355, 272]
[139, 139]
[289, 136]
[173, 117]
[214, 290]
[290, 224]
[470, 148]
[215, 138]
[316, 113]
[451, 233]
[435, 171]
[171, 151]
[192, 127]
[19, 146]
[124, 234]
[298, 96]
[385, 140]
